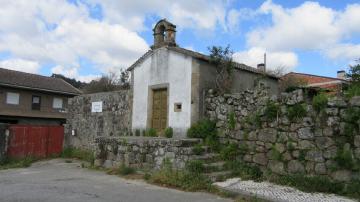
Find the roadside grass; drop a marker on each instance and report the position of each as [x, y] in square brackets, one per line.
[9, 163]
[81, 154]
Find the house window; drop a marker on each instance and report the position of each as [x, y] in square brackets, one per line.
[177, 107]
[36, 102]
[57, 103]
[12, 98]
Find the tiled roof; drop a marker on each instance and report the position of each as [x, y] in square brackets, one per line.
[318, 81]
[35, 82]
[199, 56]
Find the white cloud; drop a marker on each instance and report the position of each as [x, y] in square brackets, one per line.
[73, 73]
[349, 51]
[274, 60]
[58, 32]
[21, 65]
[198, 14]
[309, 26]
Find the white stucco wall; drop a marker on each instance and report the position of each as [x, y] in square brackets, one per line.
[164, 67]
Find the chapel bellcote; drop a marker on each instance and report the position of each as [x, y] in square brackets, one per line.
[164, 34]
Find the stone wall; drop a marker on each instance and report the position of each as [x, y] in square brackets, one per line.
[313, 144]
[3, 140]
[114, 120]
[142, 152]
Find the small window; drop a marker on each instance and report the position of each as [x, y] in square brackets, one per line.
[177, 107]
[57, 103]
[36, 102]
[12, 98]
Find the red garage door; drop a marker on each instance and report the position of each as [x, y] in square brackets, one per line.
[35, 141]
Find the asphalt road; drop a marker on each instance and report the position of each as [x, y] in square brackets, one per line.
[55, 180]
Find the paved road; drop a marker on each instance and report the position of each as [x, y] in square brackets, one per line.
[55, 180]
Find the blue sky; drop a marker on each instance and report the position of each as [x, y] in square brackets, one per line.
[86, 38]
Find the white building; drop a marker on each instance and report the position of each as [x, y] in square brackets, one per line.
[168, 83]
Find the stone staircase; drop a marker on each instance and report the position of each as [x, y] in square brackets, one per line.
[214, 167]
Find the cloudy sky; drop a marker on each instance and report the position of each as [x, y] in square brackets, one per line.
[87, 38]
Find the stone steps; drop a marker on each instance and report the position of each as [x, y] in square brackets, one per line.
[219, 176]
[214, 166]
[207, 157]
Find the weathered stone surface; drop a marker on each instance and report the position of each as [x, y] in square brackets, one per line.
[113, 121]
[260, 158]
[280, 147]
[342, 175]
[357, 141]
[267, 135]
[320, 168]
[336, 102]
[305, 133]
[330, 152]
[332, 111]
[295, 166]
[306, 144]
[324, 142]
[277, 167]
[355, 101]
[312, 139]
[314, 155]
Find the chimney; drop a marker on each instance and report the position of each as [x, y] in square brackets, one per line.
[164, 34]
[341, 74]
[261, 67]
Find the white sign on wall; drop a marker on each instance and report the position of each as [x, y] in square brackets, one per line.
[96, 106]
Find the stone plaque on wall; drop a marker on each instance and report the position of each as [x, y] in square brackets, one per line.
[96, 106]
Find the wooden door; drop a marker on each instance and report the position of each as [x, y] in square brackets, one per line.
[159, 110]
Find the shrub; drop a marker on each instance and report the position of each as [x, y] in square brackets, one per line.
[271, 111]
[183, 179]
[168, 132]
[7, 163]
[85, 155]
[352, 90]
[202, 129]
[344, 158]
[231, 120]
[137, 132]
[296, 112]
[124, 170]
[206, 130]
[302, 155]
[275, 154]
[151, 132]
[230, 152]
[244, 171]
[195, 166]
[319, 102]
[198, 149]
[254, 119]
[352, 116]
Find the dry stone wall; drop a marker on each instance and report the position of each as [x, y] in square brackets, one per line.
[83, 125]
[316, 143]
[143, 152]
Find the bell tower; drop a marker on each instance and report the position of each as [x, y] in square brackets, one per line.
[164, 34]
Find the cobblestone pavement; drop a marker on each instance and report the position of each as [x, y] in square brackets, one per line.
[272, 192]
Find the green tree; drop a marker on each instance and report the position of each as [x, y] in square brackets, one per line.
[354, 76]
[221, 58]
[354, 73]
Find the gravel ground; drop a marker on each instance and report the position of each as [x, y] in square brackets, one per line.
[272, 192]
